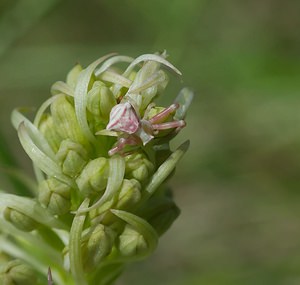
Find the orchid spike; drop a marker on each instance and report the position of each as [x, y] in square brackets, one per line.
[100, 148]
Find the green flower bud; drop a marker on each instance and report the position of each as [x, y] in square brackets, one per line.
[73, 74]
[99, 245]
[93, 178]
[16, 272]
[138, 167]
[73, 157]
[100, 100]
[19, 220]
[129, 194]
[131, 242]
[55, 196]
[48, 129]
[65, 121]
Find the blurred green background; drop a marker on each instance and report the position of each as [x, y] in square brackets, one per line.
[238, 186]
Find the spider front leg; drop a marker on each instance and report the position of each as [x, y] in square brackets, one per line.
[156, 121]
[123, 142]
[177, 125]
[158, 118]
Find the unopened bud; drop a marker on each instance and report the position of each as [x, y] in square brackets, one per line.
[16, 272]
[100, 100]
[98, 246]
[72, 156]
[19, 220]
[65, 121]
[55, 196]
[93, 178]
[47, 128]
[138, 167]
[129, 195]
[131, 242]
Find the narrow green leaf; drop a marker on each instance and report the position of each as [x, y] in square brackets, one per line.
[80, 97]
[165, 170]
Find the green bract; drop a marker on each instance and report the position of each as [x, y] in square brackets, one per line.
[101, 155]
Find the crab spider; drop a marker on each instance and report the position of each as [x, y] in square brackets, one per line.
[135, 130]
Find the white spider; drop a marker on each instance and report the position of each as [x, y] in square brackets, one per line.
[132, 130]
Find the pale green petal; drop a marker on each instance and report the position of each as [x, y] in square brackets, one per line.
[150, 57]
[113, 60]
[113, 77]
[35, 135]
[184, 99]
[154, 79]
[43, 108]
[62, 87]
[106, 132]
[72, 76]
[75, 253]
[65, 121]
[40, 158]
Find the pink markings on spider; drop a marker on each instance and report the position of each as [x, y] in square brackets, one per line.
[137, 131]
[123, 118]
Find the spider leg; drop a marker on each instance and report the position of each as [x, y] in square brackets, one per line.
[122, 142]
[164, 114]
[178, 125]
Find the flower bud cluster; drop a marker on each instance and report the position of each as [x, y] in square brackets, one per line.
[101, 155]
